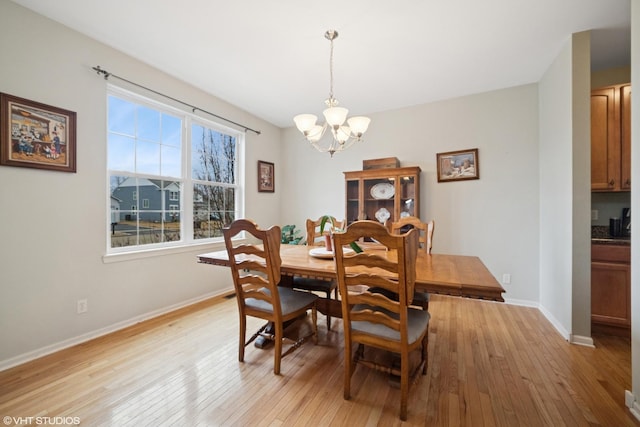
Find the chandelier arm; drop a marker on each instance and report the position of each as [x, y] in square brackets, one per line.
[349, 143]
[342, 147]
[317, 147]
[311, 138]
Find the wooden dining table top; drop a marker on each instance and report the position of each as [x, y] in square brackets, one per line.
[459, 275]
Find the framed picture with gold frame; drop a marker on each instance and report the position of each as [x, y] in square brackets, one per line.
[458, 165]
[35, 135]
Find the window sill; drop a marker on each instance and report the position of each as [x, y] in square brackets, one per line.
[151, 253]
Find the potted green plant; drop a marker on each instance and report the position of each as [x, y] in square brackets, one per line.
[291, 236]
[329, 219]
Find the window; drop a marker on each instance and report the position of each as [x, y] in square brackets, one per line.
[213, 171]
[173, 176]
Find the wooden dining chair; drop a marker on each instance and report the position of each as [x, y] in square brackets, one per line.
[370, 318]
[255, 269]
[426, 241]
[315, 237]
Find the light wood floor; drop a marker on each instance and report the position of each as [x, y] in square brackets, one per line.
[489, 364]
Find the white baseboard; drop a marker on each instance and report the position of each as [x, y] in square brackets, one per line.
[582, 340]
[556, 324]
[573, 339]
[35, 354]
[632, 404]
[522, 302]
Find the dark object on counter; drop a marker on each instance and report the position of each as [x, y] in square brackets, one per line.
[625, 226]
[614, 227]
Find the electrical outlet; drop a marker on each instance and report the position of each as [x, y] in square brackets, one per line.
[506, 278]
[594, 215]
[81, 306]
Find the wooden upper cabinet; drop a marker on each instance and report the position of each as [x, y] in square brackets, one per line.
[611, 138]
[625, 137]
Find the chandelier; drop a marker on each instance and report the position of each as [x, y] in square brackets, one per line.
[342, 135]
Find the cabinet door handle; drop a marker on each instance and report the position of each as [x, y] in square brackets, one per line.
[627, 182]
[612, 183]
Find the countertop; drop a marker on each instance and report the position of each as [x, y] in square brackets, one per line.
[600, 235]
[621, 241]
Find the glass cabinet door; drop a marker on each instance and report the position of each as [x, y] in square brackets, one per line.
[408, 196]
[353, 200]
[379, 199]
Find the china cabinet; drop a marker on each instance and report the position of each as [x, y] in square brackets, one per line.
[382, 194]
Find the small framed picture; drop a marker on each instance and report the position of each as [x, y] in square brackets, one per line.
[458, 165]
[36, 135]
[266, 178]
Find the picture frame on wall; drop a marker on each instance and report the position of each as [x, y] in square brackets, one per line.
[36, 135]
[266, 177]
[458, 165]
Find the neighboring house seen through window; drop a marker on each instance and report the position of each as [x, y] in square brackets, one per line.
[176, 172]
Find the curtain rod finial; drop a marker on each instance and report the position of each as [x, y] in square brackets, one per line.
[101, 71]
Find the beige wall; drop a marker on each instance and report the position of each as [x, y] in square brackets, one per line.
[495, 217]
[54, 224]
[611, 76]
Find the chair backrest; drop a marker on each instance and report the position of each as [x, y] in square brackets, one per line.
[393, 269]
[425, 228]
[255, 267]
[315, 235]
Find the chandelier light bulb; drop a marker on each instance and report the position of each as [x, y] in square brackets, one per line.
[359, 125]
[335, 116]
[342, 134]
[305, 122]
[315, 133]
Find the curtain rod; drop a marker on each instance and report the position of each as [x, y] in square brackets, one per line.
[193, 107]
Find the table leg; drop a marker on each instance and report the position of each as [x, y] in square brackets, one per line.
[262, 342]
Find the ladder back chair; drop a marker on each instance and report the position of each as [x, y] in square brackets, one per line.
[426, 242]
[315, 237]
[255, 269]
[370, 318]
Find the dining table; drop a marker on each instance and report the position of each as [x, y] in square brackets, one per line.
[458, 275]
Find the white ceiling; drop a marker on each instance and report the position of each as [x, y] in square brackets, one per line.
[271, 58]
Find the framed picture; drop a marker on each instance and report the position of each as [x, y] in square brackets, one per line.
[458, 165]
[36, 135]
[266, 179]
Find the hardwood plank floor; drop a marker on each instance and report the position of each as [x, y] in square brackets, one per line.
[489, 364]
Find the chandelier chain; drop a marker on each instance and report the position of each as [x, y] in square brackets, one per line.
[331, 71]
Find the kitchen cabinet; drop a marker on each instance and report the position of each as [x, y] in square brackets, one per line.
[382, 194]
[611, 287]
[611, 138]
